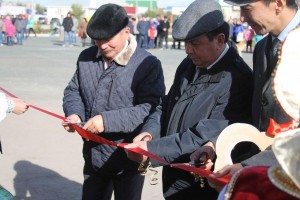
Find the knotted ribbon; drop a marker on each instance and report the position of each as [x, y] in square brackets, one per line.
[274, 128]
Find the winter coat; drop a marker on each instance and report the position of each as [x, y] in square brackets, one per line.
[124, 94]
[10, 30]
[68, 24]
[194, 113]
[19, 25]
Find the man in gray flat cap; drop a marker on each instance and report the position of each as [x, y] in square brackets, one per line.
[212, 89]
[114, 88]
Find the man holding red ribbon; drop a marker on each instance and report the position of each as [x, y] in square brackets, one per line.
[115, 87]
[212, 88]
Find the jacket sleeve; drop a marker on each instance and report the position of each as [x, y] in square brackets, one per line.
[72, 101]
[157, 119]
[234, 105]
[173, 146]
[3, 106]
[147, 96]
[264, 158]
[154, 121]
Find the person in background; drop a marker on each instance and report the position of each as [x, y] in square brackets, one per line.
[68, 24]
[131, 25]
[19, 26]
[152, 33]
[61, 28]
[31, 24]
[238, 30]
[2, 27]
[156, 21]
[115, 87]
[10, 31]
[143, 27]
[164, 26]
[249, 35]
[277, 18]
[74, 29]
[82, 31]
[212, 88]
[25, 23]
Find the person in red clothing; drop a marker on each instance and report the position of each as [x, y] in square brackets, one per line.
[152, 33]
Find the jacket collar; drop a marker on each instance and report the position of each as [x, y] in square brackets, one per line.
[125, 55]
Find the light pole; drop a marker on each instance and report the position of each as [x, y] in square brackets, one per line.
[32, 8]
[136, 9]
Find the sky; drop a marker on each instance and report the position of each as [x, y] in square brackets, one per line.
[161, 3]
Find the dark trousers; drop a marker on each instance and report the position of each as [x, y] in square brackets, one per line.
[126, 186]
[181, 185]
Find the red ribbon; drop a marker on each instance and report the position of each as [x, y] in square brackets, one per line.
[275, 128]
[98, 139]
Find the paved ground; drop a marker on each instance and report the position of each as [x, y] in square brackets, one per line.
[41, 161]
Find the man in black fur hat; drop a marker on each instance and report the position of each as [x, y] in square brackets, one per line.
[113, 90]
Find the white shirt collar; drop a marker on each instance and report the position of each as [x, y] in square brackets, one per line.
[295, 21]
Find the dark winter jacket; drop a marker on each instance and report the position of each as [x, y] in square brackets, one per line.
[67, 24]
[124, 94]
[196, 112]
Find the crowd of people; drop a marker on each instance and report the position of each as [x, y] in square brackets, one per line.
[151, 32]
[243, 35]
[118, 92]
[14, 30]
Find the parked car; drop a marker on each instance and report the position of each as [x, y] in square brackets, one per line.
[54, 20]
[42, 20]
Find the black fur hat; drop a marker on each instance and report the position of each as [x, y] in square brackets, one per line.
[107, 21]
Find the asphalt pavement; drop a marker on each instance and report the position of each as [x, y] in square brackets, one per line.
[41, 161]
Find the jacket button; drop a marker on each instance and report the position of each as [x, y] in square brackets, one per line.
[176, 98]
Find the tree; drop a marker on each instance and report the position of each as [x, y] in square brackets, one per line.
[153, 13]
[40, 9]
[77, 10]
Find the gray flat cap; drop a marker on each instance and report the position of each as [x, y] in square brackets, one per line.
[202, 16]
[237, 2]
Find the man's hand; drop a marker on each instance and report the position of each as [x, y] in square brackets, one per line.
[144, 136]
[134, 156]
[229, 169]
[205, 154]
[95, 124]
[72, 118]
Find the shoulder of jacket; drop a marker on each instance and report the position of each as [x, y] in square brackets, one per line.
[239, 64]
[262, 42]
[88, 53]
